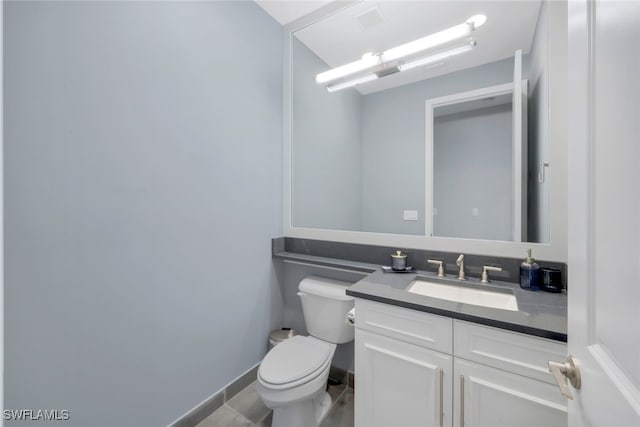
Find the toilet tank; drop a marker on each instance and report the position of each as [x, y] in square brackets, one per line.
[325, 305]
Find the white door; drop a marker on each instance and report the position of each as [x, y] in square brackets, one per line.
[400, 384]
[604, 211]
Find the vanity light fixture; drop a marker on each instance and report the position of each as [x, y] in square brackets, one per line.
[435, 40]
[438, 56]
[435, 59]
[369, 61]
[351, 83]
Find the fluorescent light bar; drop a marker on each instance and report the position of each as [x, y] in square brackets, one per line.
[477, 21]
[351, 83]
[428, 42]
[369, 61]
[438, 56]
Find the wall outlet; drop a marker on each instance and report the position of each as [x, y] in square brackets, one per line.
[410, 215]
[475, 212]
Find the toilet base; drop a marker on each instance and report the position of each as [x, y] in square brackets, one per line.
[307, 413]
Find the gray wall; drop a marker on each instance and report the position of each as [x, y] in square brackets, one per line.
[393, 154]
[143, 184]
[473, 170]
[538, 129]
[326, 150]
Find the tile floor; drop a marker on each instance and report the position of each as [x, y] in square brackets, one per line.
[246, 410]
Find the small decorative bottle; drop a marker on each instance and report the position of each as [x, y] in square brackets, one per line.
[529, 270]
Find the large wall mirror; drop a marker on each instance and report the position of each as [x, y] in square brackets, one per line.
[426, 124]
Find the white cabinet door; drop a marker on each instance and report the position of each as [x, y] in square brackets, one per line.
[488, 397]
[509, 351]
[400, 384]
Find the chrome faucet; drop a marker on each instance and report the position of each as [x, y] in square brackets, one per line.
[439, 264]
[460, 263]
[485, 273]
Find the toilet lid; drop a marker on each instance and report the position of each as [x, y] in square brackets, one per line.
[294, 359]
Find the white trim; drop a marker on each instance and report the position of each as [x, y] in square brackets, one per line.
[590, 197]
[2, 213]
[428, 165]
[471, 95]
[286, 132]
[516, 149]
[523, 145]
[619, 379]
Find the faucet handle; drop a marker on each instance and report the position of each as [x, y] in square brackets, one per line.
[460, 263]
[440, 266]
[485, 274]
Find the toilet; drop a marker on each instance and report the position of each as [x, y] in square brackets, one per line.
[292, 378]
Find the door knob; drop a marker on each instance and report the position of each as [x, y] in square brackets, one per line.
[566, 373]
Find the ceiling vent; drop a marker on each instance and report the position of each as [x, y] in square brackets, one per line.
[370, 18]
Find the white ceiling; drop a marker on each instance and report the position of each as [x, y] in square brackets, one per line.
[341, 38]
[286, 11]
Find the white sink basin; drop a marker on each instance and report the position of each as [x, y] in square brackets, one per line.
[499, 298]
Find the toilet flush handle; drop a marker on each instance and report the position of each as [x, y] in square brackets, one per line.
[350, 318]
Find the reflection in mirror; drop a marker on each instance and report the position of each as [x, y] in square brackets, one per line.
[476, 193]
[359, 159]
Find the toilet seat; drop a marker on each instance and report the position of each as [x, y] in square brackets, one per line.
[296, 361]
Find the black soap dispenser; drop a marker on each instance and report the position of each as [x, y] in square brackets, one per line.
[529, 273]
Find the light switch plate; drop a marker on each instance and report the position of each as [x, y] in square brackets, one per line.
[410, 215]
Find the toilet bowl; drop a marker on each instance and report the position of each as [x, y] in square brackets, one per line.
[292, 380]
[293, 376]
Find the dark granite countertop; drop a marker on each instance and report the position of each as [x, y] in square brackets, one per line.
[539, 313]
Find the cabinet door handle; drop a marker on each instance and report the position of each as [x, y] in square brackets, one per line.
[441, 375]
[461, 400]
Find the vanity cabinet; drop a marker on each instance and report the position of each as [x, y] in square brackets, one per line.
[420, 369]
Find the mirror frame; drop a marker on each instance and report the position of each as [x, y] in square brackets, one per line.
[554, 250]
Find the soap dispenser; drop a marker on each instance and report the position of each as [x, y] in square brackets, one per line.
[529, 270]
